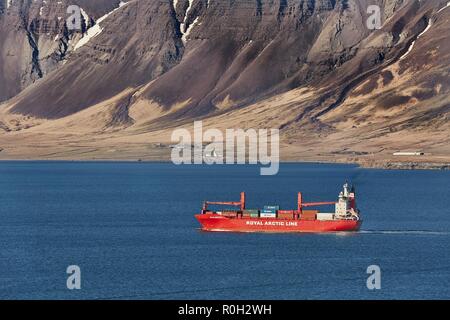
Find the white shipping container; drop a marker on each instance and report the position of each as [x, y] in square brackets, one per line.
[325, 216]
[268, 215]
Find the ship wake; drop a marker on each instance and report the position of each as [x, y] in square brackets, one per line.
[405, 232]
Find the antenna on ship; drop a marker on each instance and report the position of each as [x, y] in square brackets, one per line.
[346, 189]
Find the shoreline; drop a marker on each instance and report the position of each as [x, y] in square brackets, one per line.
[407, 166]
[378, 164]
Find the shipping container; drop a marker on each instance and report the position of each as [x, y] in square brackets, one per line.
[308, 215]
[268, 215]
[285, 215]
[325, 216]
[251, 211]
[229, 213]
[310, 211]
[286, 211]
[271, 207]
[308, 218]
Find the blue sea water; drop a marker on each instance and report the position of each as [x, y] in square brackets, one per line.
[130, 227]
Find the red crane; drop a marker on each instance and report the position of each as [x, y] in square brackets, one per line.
[240, 204]
[301, 204]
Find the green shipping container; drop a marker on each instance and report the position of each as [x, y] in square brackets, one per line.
[252, 213]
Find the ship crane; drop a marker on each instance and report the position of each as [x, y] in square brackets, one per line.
[240, 203]
[301, 204]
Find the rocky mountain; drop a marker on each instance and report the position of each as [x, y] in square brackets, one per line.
[313, 68]
[34, 38]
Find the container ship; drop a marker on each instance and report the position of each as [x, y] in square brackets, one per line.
[346, 217]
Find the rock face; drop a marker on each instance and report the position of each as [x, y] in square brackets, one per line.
[203, 58]
[34, 38]
[140, 42]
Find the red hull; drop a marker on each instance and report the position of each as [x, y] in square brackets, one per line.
[215, 222]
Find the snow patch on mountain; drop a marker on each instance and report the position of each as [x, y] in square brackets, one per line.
[184, 28]
[448, 5]
[411, 47]
[96, 29]
[85, 15]
[186, 34]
